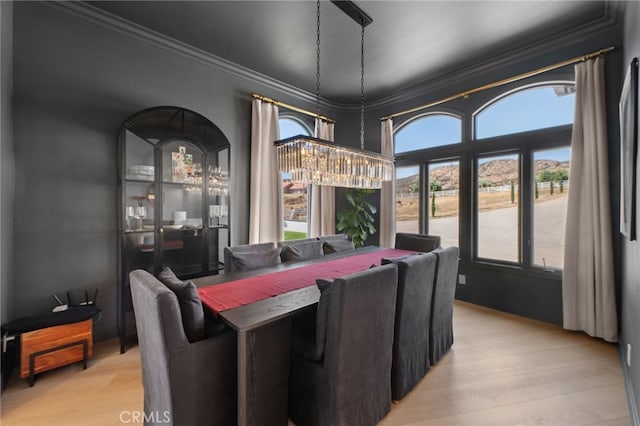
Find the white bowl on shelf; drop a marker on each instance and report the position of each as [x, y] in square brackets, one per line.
[173, 227]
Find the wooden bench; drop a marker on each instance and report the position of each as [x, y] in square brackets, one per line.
[53, 340]
[52, 347]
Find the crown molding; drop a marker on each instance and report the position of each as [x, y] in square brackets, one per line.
[556, 41]
[113, 22]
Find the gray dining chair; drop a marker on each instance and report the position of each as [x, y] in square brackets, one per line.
[341, 362]
[185, 383]
[302, 249]
[250, 256]
[417, 242]
[413, 321]
[444, 291]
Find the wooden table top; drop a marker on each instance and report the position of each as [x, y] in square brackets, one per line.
[257, 314]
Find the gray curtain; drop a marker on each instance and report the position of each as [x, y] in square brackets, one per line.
[322, 203]
[588, 293]
[265, 212]
[388, 191]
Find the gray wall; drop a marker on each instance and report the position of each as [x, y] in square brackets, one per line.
[631, 249]
[6, 159]
[75, 82]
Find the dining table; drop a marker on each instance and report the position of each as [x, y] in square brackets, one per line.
[259, 306]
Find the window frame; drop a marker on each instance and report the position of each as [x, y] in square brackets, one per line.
[522, 143]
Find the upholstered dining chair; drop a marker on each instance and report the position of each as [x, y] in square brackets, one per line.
[184, 383]
[417, 242]
[336, 243]
[250, 256]
[444, 291]
[413, 319]
[302, 249]
[341, 362]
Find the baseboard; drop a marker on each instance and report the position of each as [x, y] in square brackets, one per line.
[631, 399]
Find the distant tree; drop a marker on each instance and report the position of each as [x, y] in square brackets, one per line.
[435, 185]
[553, 176]
[433, 204]
[536, 189]
[415, 186]
[545, 176]
[513, 192]
[560, 175]
[550, 187]
[484, 183]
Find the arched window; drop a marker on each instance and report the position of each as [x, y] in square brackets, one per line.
[296, 202]
[428, 131]
[290, 126]
[529, 108]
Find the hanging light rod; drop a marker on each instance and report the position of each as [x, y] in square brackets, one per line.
[518, 77]
[353, 11]
[292, 108]
[321, 162]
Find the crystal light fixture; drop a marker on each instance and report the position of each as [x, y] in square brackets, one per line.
[319, 162]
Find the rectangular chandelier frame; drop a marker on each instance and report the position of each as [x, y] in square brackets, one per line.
[318, 162]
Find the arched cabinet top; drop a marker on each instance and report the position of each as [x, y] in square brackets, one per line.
[165, 123]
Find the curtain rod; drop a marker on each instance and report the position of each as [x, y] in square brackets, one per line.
[503, 82]
[292, 108]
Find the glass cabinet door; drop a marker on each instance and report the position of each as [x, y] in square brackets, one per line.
[139, 204]
[182, 245]
[218, 206]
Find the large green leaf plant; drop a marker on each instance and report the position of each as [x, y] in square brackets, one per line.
[357, 221]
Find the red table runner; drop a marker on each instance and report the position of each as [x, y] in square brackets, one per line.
[232, 294]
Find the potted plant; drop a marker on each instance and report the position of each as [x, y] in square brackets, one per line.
[357, 221]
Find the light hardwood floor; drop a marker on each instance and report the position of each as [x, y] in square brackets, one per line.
[502, 370]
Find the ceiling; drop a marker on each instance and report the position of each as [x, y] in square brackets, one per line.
[408, 41]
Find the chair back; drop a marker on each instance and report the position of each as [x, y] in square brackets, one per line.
[413, 317]
[159, 327]
[245, 248]
[417, 242]
[303, 249]
[184, 383]
[359, 341]
[441, 336]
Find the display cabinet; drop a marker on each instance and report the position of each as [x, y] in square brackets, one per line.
[174, 199]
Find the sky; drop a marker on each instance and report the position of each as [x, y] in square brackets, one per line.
[288, 128]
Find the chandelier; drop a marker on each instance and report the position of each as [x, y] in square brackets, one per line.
[319, 162]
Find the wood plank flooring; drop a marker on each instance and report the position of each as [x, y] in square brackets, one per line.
[502, 370]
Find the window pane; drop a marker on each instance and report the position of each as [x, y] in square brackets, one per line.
[407, 199]
[294, 194]
[443, 203]
[529, 109]
[498, 182]
[427, 132]
[550, 193]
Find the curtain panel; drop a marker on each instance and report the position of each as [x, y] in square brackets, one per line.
[265, 212]
[387, 192]
[588, 292]
[322, 202]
